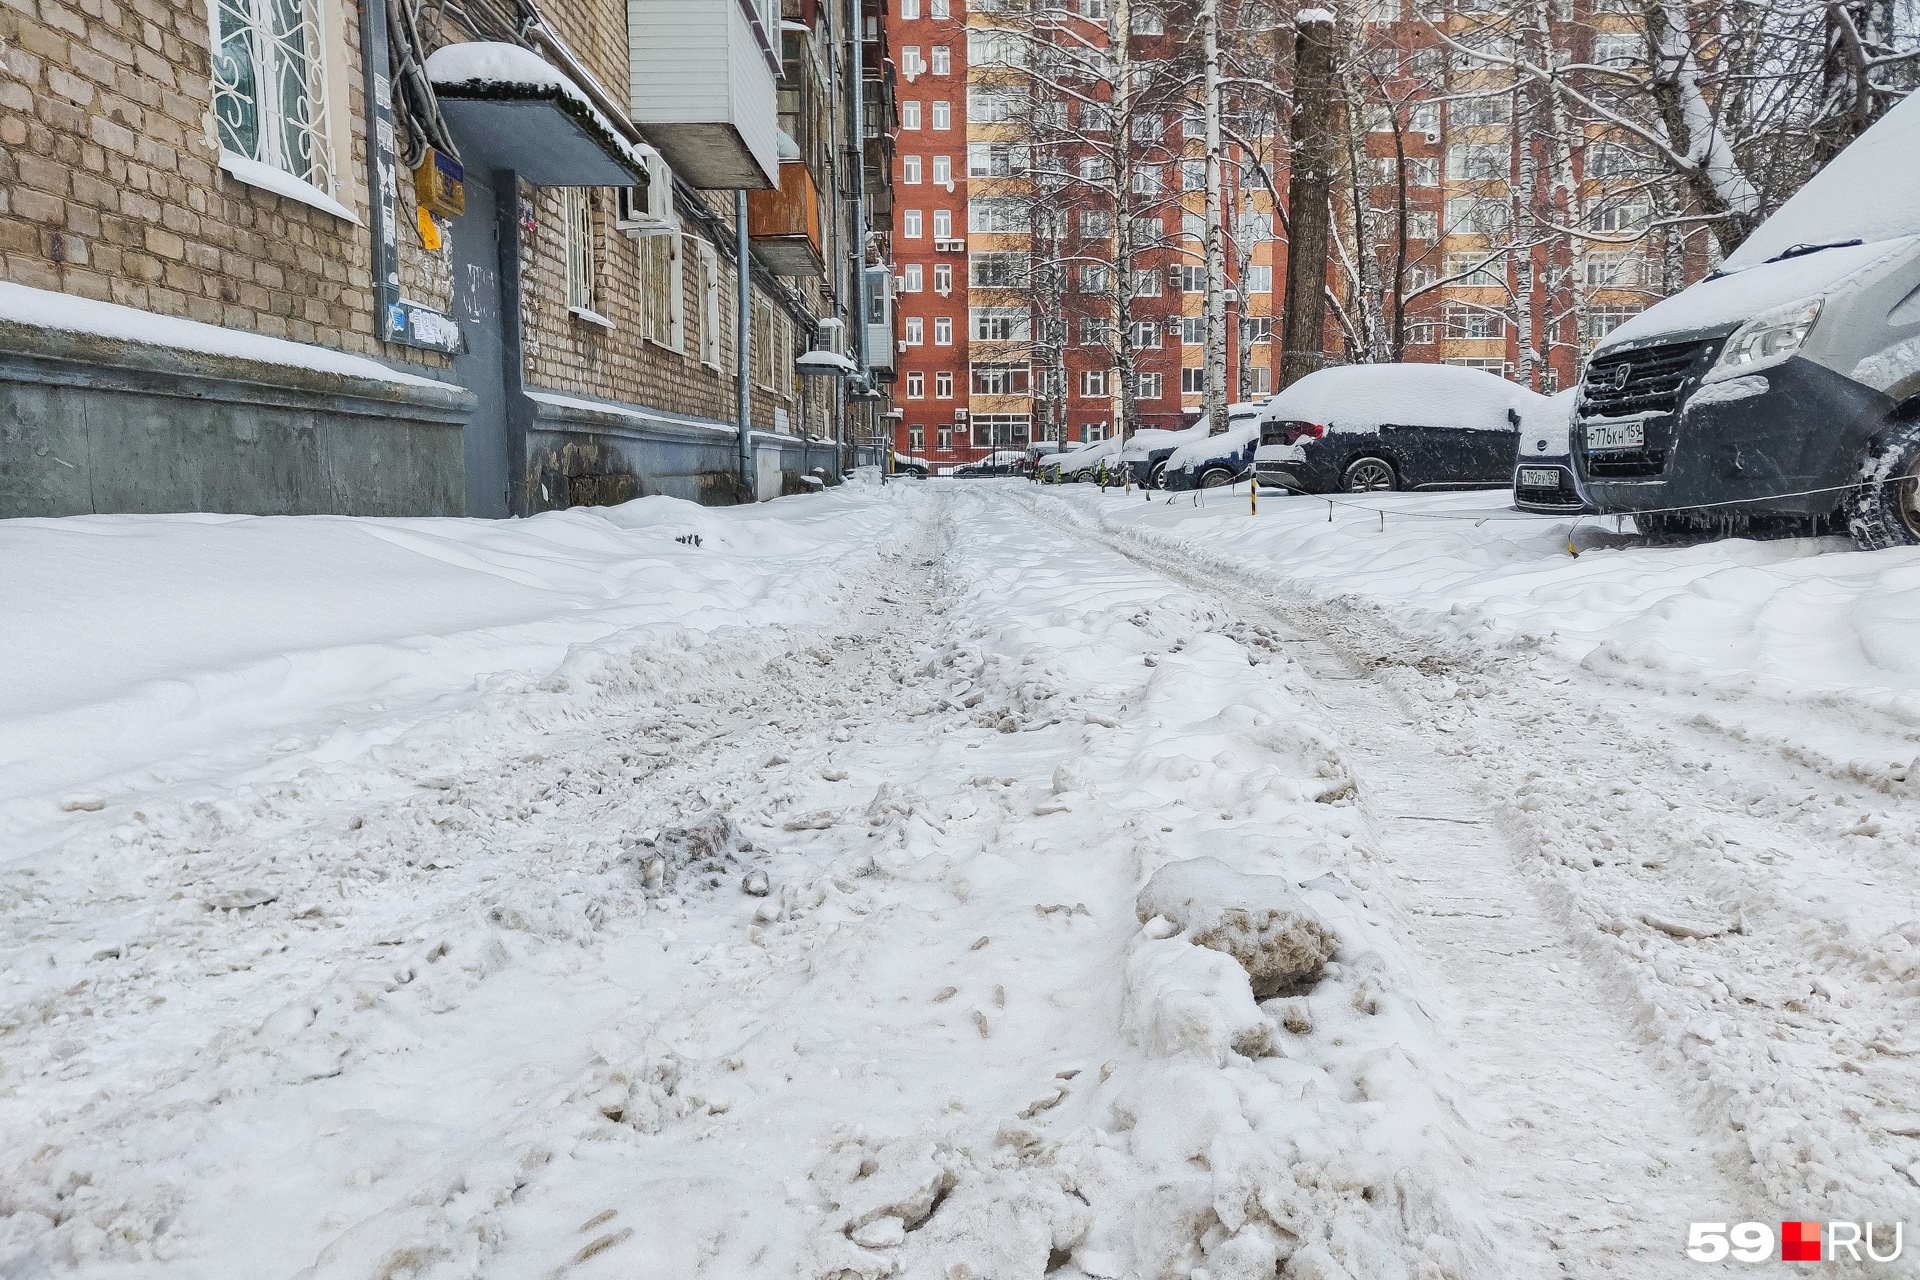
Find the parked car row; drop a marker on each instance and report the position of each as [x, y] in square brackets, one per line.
[1782, 391]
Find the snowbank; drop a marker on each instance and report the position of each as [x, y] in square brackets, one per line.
[148, 651]
[1256, 919]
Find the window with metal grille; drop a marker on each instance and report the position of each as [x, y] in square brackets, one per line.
[660, 293]
[269, 86]
[579, 228]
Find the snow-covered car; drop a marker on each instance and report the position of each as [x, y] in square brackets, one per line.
[1083, 464]
[1215, 461]
[1788, 381]
[1001, 462]
[1036, 453]
[1366, 427]
[904, 465]
[1148, 452]
[1543, 470]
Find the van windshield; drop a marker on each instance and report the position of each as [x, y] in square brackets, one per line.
[1867, 193]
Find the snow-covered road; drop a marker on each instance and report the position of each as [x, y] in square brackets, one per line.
[464, 981]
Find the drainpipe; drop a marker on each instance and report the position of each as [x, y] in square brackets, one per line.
[856, 115]
[743, 342]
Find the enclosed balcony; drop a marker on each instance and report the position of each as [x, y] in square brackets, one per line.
[702, 87]
[784, 224]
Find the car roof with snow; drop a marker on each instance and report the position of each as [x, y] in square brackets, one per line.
[1141, 443]
[1366, 397]
[1087, 455]
[1212, 448]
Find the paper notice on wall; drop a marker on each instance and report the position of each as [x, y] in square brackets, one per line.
[780, 421]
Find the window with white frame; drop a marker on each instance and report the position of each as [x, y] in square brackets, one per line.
[1478, 162]
[1095, 224]
[910, 171]
[943, 224]
[910, 224]
[916, 438]
[1146, 386]
[1146, 283]
[1000, 324]
[942, 331]
[942, 60]
[1147, 127]
[910, 115]
[909, 9]
[1094, 169]
[1602, 321]
[913, 331]
[1471, 215]
[943, 278]
[661, 308]
[1193, 381]
[996, 214]
[916, 386]
[1618, 48]
[1262, 380]
[1423, 225]
[1611, 270]
[1630, 214]
[1146, 179]
[910, 278]
[578, 212]
[1005, 270]
[1093, 432]
[938, 9]
[710, 314]
[270, 88]
[1193, 175]
[995, 160]
[943, 115]
[1419, 332]
[1146, 335]
[1148, 22]
[1479, 111]
[1193, 330]
[1095, 331]
[943, 386]
[1476, 270]
[1001, 380]
[1095, 277]
[1259, 279]
[1466, 321]
[945, 435]
[943, 170]
[1093, 383]
[1418, 275]
[910, 64]
[1096, 118]
[1094, 9]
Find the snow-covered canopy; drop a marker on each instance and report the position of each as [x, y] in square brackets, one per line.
[1869, 192]
[493, 68]
[825, 364]
[1365, 397]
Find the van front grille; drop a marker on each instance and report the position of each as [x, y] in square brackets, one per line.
[1648, 380]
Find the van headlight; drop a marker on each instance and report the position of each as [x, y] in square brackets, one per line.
[1767, 339]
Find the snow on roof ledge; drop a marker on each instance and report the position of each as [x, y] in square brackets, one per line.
[1308, 17]
[825, 362]
[20, 304]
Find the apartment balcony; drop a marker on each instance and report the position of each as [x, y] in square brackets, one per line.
[784, 224]
[702, 88]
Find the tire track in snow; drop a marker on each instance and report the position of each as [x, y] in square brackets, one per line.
[1597, 1158]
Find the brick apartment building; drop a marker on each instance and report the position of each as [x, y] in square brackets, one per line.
[974, 137]
[219, 289]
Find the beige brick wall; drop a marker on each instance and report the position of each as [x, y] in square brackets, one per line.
[110, 185]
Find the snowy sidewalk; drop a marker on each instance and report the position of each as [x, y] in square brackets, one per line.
[465, 983]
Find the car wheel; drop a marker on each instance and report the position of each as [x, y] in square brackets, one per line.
[1216, 478]
[1369, 475]
[1884, 510]
[1157, 476]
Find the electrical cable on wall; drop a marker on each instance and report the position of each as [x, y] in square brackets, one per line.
[415, 105]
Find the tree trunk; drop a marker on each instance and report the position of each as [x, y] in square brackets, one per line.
[1309, 192]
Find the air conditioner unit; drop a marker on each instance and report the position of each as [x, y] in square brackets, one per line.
[959, 415]
[648, 210]
[900, 346]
